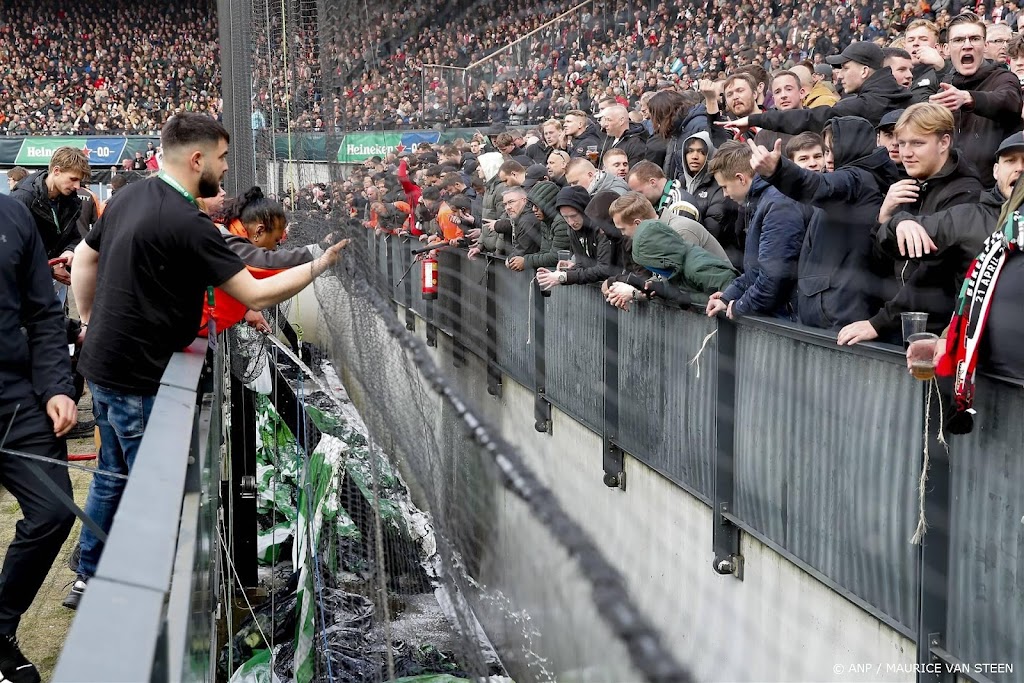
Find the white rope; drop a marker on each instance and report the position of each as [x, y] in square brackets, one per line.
[922, 522]
[696, 359]
[238, 580]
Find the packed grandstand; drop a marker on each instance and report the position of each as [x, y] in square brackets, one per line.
[849, 167]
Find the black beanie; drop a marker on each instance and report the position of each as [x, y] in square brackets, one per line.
[574, 196]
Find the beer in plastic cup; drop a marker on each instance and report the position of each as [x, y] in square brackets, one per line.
[564, 255]
[921, 354]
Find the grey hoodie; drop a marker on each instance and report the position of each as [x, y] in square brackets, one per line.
[696, 180]
[606, 182]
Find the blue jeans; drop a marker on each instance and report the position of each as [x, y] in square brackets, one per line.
[121, 419]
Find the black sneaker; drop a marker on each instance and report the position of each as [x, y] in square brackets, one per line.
[75, 556]
[75, 594]
[82, 430]
[13, 665]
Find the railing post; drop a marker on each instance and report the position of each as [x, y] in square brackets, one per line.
[491, 329]
[541, 406]
[243, 479]
[455, 310]
[933, 563]
[390, 260]
[613, 458]
[408, 265]
[725, 535]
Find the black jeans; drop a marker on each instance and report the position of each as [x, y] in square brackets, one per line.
[46, 521]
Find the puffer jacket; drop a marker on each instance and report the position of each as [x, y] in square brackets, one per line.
[554, 231]
[657, 247]
[717, 212]
[775, 235]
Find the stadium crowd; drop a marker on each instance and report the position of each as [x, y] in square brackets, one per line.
[121, 67]
[839, 194]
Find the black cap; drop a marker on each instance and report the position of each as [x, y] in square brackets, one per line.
[890, 119]
[865, 52]
[1014, 143]
[534, 174]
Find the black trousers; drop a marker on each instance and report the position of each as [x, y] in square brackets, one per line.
[46, 521]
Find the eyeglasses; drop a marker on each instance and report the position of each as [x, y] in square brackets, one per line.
[960, 40]
[999, 41]
[512, 202]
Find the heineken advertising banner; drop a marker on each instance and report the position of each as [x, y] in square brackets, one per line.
[102, 151]
[358, 147]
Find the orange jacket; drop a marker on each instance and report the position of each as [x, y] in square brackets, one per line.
[262, 263]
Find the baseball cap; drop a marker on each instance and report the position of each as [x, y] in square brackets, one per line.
[534, 174]
[890, 119]
[823, 70]
[865, 52]
[1014, 143]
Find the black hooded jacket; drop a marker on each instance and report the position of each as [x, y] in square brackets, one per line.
[993, 118]
[879, 94]
[57, 237]
[835, 284]
[931, 284]
[34, 361]
[591, 249]
[633, 142]
[591, 137]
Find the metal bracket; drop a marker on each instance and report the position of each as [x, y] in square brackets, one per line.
[614, 466]
[410, 320]
[726, 540]
[431, 330]
[541, 412]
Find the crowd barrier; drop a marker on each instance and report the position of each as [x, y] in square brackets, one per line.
[812, 449]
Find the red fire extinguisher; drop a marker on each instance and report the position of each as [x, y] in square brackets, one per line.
[428, 273]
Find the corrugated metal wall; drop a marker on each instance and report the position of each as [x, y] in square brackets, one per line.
[986, 601]
[515, 356]
[575, 362]
[827, 452]
[655, 346]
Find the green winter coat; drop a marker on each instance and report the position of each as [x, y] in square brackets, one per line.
[692, 269]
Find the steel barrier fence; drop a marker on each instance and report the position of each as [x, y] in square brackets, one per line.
[788, 437]
[149, 613]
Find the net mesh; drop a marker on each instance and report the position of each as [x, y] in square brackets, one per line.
[441, 480]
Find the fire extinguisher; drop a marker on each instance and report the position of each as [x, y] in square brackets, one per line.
[428, 276]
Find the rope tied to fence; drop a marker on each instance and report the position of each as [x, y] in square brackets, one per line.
[922, 482]
[696, 359]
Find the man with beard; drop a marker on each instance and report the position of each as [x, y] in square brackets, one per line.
[870, 88]
[140, 278]
[984, 97]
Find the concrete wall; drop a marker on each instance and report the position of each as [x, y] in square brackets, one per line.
[777, 624]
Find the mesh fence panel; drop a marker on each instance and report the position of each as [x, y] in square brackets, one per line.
[455, 466]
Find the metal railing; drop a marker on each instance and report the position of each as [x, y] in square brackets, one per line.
[149, 613]
[786, 436]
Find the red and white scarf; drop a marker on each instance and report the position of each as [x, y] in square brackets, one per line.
[970, 317]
